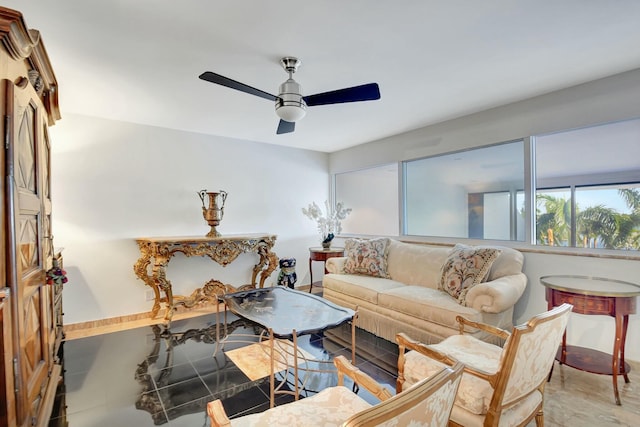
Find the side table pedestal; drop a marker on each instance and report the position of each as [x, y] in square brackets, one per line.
[595, 296]
[322, 254]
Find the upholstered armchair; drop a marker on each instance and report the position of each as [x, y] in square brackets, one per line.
[500, 385]
[427, 403]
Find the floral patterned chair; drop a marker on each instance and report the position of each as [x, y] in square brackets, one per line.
[500, 386]
[427, 403]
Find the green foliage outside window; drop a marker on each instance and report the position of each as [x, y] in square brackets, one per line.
[597, 226]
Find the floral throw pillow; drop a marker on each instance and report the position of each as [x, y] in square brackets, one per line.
[465, 267]
[368, 257]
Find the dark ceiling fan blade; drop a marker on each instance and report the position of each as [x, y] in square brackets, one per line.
[226, 81]
[368, 92]
[285, 127]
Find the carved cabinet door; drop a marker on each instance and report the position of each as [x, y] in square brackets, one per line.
[28, 246]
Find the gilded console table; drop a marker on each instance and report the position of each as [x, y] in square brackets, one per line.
[158, 251]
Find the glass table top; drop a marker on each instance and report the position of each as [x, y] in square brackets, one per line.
[284, 310]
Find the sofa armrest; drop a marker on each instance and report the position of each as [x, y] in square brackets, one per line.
[335, 265]
[497, 295]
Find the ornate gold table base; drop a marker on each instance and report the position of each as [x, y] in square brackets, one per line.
[158, 251]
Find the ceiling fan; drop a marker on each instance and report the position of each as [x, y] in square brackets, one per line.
[291, 105]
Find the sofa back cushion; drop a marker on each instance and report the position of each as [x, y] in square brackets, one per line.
[508, 263]
[416, 264]
[465, 267]
[367, 257]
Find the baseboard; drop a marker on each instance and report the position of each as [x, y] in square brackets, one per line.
[106, 322]
[118, 323]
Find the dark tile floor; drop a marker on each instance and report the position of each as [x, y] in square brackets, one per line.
[156, 376]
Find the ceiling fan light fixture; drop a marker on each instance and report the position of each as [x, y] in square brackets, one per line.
[290, 106]
[290, 113]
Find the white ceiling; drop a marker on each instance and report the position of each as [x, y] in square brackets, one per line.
[139, 61]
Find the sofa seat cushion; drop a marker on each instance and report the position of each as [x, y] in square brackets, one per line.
[427, 304]
[365, 288]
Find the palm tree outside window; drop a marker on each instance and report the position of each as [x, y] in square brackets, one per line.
[605, 217]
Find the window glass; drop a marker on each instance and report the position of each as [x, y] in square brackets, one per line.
[607, 217]
[497, 213]
[553, 217]
[592, 174]
[466, 194]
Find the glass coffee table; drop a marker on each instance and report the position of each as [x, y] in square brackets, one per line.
[286, 314]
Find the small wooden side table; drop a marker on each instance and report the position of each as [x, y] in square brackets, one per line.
[595, 296]
[322, 254]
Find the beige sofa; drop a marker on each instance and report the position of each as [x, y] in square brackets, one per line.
[409, 300]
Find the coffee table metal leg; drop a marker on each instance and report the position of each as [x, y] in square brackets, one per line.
[272, 375]
[353, 339]
[296, 390]
[310, 276]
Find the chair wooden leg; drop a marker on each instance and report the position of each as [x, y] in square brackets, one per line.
[217, 415]
[401, 379]
[540, 418]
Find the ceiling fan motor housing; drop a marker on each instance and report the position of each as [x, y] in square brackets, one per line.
[290, 106]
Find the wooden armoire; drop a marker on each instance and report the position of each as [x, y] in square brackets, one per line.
[31, 328]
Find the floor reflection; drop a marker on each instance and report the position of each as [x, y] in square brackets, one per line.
[156, 376]
[181, 389]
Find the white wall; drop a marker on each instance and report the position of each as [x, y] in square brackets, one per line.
[610, 99]
[357, 189]
[115, 181]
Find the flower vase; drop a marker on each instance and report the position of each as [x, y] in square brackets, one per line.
[326, 243]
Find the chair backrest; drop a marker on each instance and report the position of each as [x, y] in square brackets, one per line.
[427, 403]
[528, 357]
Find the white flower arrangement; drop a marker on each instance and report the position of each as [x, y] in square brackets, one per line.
[328, 224]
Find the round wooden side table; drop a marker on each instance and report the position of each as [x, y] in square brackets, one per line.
[595, 296]
[322, 254]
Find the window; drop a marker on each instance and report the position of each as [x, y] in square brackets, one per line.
[588, 187]
[584, 190]
[470, 194]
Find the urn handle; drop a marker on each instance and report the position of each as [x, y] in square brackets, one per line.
[202, 193]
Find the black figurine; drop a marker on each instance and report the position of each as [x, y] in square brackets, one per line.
[287, 276]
